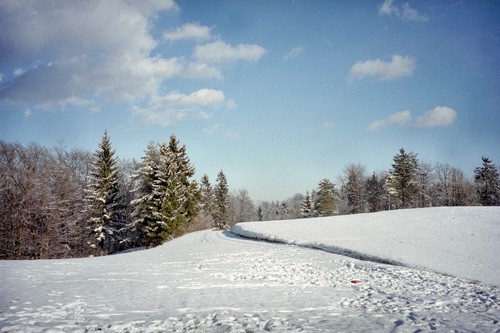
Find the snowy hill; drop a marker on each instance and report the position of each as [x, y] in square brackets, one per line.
[460, 241]
[213, 281]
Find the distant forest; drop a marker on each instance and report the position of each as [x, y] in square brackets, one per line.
[60, 203]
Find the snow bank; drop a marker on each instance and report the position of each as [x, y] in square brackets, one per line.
[460, 241]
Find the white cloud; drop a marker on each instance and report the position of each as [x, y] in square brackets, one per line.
[189, 31]
[113, 59]
[439, 116]
[404, 12]
[398, 67]
[109, 57]
[220, 52]
[175, 106]
[376, 125]
[198, 70]
[294, 53]
[400, 118]
[18, 72]
[202, 97]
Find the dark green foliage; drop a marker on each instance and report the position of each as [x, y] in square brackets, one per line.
[167, 198]
[325, 198]
[375, 193]
[402, 183]
[487, 182]
[221, 196]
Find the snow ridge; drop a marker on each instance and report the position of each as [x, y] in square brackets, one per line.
[242, 232]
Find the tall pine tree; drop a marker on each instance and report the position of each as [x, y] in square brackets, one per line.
[487, 182]
[104, 204]
[222, 202]
[207, 202]
[306, 209]
[325, 199]
[402, 179]
[375, 193]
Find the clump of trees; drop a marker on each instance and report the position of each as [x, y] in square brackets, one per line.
[410, 183]
[58, 203]
[167, 197]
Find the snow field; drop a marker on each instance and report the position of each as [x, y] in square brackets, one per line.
[460, 241]
[218, 282]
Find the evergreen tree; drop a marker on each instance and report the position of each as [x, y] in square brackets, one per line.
[167, 198]
[487, 182]
[221, 193]
[306, 209]
[104, 204]
[325, 201]
[375, 193]
[207, 201]
[402, 181]
[147, 202]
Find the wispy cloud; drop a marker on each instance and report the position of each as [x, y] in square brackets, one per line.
[175, 106]
[189, 31]
[402, 118]
[219, 52]
[294, 53]
[440, 116]
[398, 67]
[404, 12]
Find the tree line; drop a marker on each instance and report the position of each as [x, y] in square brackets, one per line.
[59, 203]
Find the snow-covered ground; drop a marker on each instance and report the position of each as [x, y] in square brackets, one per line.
[212, 281]
[460, 241]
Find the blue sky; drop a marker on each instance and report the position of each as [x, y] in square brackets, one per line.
[278, 94]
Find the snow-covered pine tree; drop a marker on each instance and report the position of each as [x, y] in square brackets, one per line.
[147, 203]
[104, 204]
[402, 181]
[207, 201]
[325, 200]
[487, 182]
[167, 198]
[222, 202]
[375, 192]
[306, 209]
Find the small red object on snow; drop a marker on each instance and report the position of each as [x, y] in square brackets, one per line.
[355, 281]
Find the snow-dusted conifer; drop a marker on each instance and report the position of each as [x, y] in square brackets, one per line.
[375, 192]
[207, 201]
[222, 202]
[487, 182]
[167, 198]
[104, 204]
[402, 181]
[306, 209]
[325, 200]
